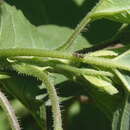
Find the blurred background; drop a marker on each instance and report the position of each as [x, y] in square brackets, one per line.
[81, 113]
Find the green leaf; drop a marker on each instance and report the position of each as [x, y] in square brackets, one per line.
[54, 12]
[102, 84]
[34, 10]
[121, 118]
[99, 87]
[124, 76]
[103, 53]
[117, 10]
[124, 57]
[17, 32]
[54, 36]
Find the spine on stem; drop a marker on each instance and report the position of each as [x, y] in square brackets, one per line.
[43, 76]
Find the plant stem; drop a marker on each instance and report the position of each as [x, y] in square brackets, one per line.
[43, 76]
[34, 52]
[107, 63]
[54, 101]
[9, 111]
[83, 71]
[86, 20]
[62, 66]
[123, 80]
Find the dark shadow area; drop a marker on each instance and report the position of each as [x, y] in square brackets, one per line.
[58, 12]
[88, 118]
[101, 30]
[66, 13]
[39, 12]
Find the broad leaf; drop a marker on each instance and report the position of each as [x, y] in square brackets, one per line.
[17, 32]
[54, 36]
[117, 10]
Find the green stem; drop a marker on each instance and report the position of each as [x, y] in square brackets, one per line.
[80, 72]
[43, 76]
[9, 111]
[54, 101]
[107, 63]
[34, 52]
[61, 66]
[86, 20]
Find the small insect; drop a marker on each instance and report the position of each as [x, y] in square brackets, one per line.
[78, 55]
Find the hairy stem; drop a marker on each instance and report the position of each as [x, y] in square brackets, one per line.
[43, 76]
[54, 101]
[107, 63]
[83, 71]
[76, 32]
[9, 111]
[84, 22]
[34, 52]
[62, 66]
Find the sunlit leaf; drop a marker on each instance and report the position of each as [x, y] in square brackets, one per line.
[117, 10]
[54, 36]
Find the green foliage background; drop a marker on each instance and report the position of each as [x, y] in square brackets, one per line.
[55, 21]
[64, 13]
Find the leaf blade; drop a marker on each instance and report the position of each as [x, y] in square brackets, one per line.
[117, 10]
